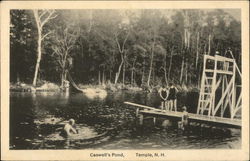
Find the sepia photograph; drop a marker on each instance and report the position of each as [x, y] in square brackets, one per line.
[125, 79]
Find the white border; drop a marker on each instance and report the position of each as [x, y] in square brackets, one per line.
[215, 154]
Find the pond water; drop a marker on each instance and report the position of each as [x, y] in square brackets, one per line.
[106, 123]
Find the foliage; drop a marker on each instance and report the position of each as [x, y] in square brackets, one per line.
[146, 47]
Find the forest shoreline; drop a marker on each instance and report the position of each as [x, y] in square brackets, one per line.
[137, 47]
[53, 87]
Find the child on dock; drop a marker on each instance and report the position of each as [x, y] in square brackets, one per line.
[172, 97]
[163, 92]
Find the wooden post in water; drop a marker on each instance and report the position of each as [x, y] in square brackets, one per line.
[137, 112]
[141, 119]
[154, 120]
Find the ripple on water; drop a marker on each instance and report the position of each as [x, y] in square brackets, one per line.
[84, 132]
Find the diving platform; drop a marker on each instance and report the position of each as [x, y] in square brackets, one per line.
[154, 112]
[220, 95]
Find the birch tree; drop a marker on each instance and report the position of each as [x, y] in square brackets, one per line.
[186, 46]
[41, 17]
[122, 52]
[170, 65]
[155, 22]
[151, 58]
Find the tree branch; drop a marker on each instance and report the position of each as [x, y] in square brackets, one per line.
[48, 18]
[46, 35]
[125, 40]
[90, 21]
[42, 14]
[118, 44]
[59, 62]
[38, 22]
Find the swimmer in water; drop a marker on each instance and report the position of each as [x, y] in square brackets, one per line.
[69, 128]
[183, 124]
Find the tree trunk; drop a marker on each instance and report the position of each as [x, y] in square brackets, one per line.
[134, 83]
[151, 62]
[123, 74]
[39, 55]
[165, 68]
[99, 77]
[185, 37]
[170, 64]
[199, 76]
[117, 74]
[182, 68]
[150, 70]
[17, 77]
[186, 74]
[110, 75]
[122, 52]
[103, 77]
[132, 76]
[209, 46]
[143, 72]
[40, 23]
[132, 73]
[63, 77]
[189, 34]
[197, 50]
[153, 75]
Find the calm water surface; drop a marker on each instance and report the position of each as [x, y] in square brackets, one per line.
[105, 123]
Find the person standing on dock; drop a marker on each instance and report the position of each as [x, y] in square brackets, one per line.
[172, 97]
[163, 92]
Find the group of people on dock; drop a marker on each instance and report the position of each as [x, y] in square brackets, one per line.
[168, 97]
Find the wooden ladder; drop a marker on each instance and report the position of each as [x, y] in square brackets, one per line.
[207, 89]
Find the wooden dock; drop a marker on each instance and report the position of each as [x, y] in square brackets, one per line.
[219, 92]
[151, 111]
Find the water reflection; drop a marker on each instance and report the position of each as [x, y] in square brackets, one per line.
[104, 123]
[91, 93]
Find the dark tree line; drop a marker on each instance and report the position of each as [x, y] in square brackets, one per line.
[137, 47]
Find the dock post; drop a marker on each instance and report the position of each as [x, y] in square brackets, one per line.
[141, 119]
[137, 112]
[154, 120]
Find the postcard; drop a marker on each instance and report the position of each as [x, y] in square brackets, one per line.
[124, 80]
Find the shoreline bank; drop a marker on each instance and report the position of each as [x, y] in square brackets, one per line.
[53, 87]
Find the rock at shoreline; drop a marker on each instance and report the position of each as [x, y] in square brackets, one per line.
[22, 87]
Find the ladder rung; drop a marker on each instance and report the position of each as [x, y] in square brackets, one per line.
[204, 108]
[209, 70]
[204, 101]
[209, 78]
[205, 93]
[201, 105]
[225, 72]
